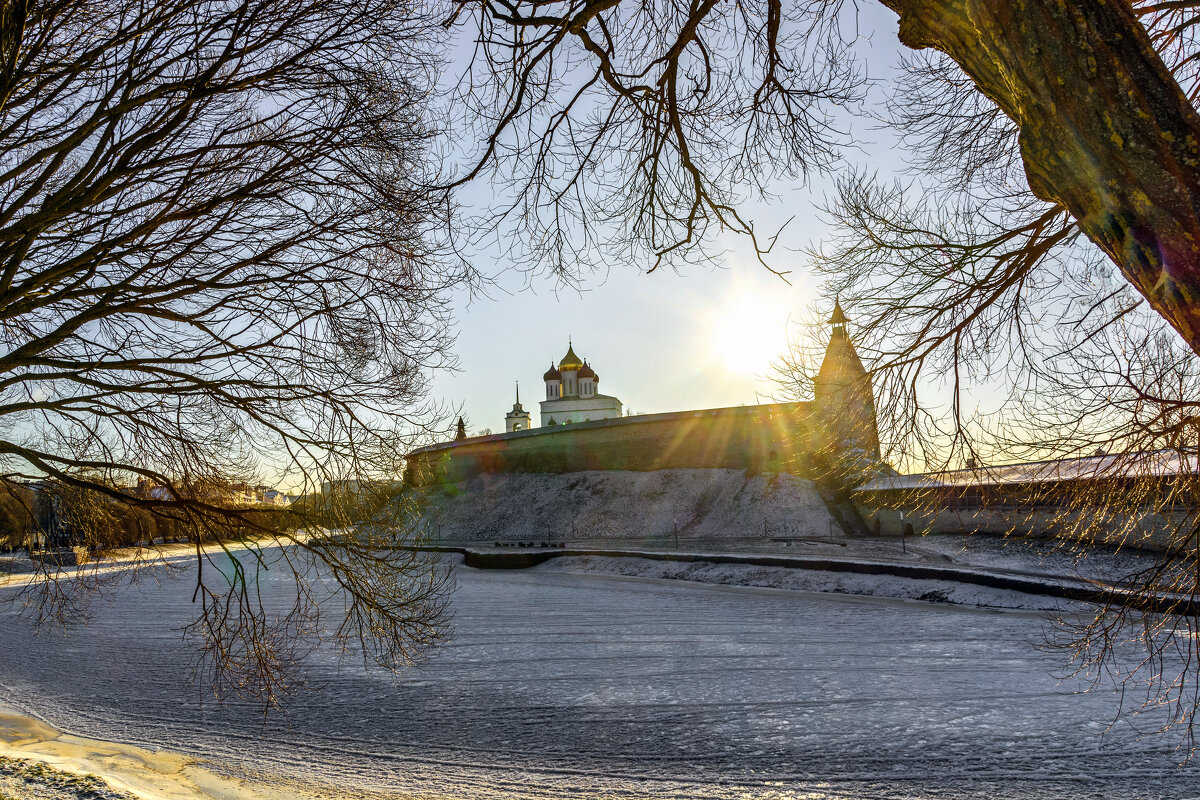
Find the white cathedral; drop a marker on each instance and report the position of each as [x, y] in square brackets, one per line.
[571, 396]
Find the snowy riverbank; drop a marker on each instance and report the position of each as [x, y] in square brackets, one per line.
[693, 503]
[25, 779]
[975, 570]
[806, 580]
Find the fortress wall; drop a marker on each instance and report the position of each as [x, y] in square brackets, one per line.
[780, 436]
[1150, 530]
[596, 504]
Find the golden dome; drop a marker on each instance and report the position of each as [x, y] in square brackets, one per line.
[570, 362]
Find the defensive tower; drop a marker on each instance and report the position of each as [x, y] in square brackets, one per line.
[845, 403]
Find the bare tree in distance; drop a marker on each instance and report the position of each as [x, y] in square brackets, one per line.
[216, 267]
[1043, 251]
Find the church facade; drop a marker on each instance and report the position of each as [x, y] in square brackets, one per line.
[584, 430]
[572, 395]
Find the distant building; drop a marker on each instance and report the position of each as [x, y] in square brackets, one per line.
[275, 497]
[1133, 499]
[571, 394]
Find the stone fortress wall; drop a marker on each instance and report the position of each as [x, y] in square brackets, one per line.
[774, 437]
[762, 438]
[812, 442]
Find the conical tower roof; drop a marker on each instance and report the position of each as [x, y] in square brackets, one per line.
[570, 361]
[839, 316]
[841, 365]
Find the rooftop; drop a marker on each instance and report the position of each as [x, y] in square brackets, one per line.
[1162, 463]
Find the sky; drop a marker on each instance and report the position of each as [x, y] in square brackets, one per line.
[661, 341]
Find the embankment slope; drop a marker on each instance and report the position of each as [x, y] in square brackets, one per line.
[701, 503]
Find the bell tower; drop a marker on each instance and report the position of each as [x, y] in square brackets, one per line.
[518, 419]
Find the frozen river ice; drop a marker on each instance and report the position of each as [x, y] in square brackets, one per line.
[582, 686]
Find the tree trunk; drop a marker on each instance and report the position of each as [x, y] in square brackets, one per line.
[1105, 130]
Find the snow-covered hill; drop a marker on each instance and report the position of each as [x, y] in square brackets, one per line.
[703, 503]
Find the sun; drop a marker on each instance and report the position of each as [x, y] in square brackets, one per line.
[747, 335]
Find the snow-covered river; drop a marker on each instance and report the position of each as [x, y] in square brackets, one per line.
[583, 686]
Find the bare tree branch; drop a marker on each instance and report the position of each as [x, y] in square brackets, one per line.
[652, 122]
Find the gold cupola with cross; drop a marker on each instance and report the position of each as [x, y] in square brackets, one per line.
[572, 394]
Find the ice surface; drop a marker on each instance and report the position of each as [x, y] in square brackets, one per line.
[561, 685]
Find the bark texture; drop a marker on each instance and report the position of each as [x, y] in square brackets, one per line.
[1105, 130]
